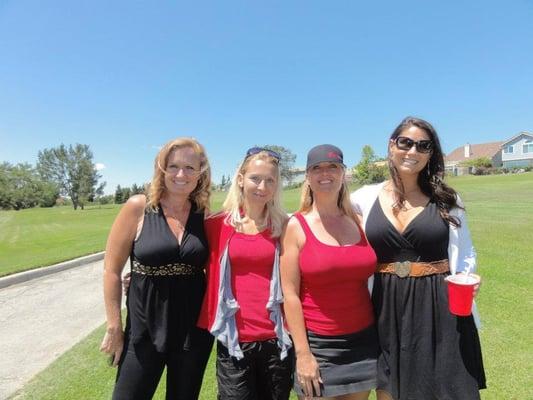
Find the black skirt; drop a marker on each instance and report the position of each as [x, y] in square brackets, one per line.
[426, 352]
[347, 363]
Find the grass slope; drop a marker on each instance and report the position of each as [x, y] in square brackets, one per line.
[43, 236]
[39, 237]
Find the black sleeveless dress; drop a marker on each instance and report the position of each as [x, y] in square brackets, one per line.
[426, 352]
[167, 284]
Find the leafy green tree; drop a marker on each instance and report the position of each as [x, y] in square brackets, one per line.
[137, 189]
[126, 193]
[286, 162]
[119, 195]
[368, 170]
[21, 187]
[105, 199]
[73, 171]
[49, 194]
[225, 182]
[5, 196]
[480, 162]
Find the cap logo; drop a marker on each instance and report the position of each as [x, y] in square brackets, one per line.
[332, 154]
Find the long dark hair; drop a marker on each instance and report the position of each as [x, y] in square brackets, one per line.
[430, 180]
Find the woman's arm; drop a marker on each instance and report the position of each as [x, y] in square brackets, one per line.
[307, 371]
[118, 248]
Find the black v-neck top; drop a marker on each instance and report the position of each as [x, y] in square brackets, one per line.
[165, 308]
[424, 239]
[157, 245]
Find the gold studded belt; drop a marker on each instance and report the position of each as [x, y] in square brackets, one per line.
[166, 270]
[408, 268]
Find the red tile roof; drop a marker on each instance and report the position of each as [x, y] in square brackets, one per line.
[476, 150]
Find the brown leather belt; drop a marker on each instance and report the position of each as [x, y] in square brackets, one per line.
[408, 268]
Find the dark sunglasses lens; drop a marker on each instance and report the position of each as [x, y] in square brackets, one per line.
[274, 154]
[257, 150]
[252, 151]
[424, 146]
[404, 143]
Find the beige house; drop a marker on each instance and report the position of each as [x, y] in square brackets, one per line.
[470, 152]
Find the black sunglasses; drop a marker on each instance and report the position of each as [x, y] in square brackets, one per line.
[256, 150]
[422, 146]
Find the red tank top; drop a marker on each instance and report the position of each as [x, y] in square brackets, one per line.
[333, 284]
[252, 259]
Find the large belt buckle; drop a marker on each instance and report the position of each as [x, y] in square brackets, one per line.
[402, 269]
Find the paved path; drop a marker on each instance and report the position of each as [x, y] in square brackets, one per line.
[42, 318]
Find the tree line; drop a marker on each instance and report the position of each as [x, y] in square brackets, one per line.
[70, 173]
[62, 171]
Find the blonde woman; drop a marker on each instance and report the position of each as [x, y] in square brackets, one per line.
[325, 265]
[242, 307]
[163, 235]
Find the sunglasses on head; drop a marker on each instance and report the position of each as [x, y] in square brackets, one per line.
[256, 150]
[422, 146]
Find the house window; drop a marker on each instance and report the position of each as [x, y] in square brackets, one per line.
[528, 147]
[508, 149]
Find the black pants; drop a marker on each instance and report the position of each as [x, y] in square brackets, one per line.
[259, 375]
[141, 367]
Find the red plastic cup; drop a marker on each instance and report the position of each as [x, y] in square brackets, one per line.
[461, 293]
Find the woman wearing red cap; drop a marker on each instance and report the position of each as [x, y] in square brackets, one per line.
[325, 265]
[416, 224]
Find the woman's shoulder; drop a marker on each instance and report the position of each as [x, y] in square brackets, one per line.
[215, 221]
[135, 205]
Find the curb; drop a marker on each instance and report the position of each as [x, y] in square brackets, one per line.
[52, 269]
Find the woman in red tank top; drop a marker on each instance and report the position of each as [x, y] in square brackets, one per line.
[325, 265]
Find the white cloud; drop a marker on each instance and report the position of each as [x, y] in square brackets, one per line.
[99, 166]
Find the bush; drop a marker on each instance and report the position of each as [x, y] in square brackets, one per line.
[105, 199]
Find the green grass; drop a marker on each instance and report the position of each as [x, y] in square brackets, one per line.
[38, 237]
[500, 213]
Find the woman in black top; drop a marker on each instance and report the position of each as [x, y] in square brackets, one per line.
[163, 235]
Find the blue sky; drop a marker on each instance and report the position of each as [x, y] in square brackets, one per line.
[126, 76]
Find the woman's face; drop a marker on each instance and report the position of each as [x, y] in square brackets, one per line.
[411, 160]
[259, 182]
[325, 177]
[182, 171]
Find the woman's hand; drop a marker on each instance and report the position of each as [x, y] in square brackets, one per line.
[476, 287]
[308, 374]
[112, 344]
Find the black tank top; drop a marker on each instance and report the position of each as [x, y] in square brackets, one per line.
[167, 281]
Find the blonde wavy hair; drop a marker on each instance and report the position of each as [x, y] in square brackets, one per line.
[275, 214]
[200, 195]
[343, 200]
